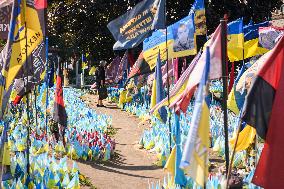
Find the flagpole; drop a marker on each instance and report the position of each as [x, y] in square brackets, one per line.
[225, 87]
[234, 151]
[47, 86]
[27, 109]
[168, 81]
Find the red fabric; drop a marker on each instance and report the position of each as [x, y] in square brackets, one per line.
[17, 100]
[272, 70]
[40, 4]
[175, 62]
[59, 92]
[131, 60]
[232, 77]
[270, 169]
[182, 101]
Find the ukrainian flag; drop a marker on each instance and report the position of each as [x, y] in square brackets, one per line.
[251, 47]
[251, 26]
[236, 98]
[25, 35]
[195, 155]
[174, 160]
[235, 39]
[235, 104]
[158, 92]
[84, 62]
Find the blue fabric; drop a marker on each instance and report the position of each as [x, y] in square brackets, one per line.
[235, 27]
[160, 91]
[179, 174]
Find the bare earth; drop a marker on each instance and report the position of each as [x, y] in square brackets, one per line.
[132, 167]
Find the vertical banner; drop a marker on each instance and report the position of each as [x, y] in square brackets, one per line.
[5, 16]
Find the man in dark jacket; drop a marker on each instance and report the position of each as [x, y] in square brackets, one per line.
[100, 81]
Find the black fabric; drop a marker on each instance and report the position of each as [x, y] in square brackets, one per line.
[258, 106]
[60, 114]
[102, 93]
[100, 75]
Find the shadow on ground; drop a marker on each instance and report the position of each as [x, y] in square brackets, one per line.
[117, 165]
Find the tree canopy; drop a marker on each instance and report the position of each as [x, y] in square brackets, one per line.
[77, 26]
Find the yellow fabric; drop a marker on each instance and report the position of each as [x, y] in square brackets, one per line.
[34, 34]
[232, 104]
[84, 65]
[34, 37]
[251, 48]
[200, 22]
[122, 98]
[43, 100]
[154, 94]
[42, 75]
[171, 163]
[92, 70]
[246, 137]
[172, 99]
[151, 55]
[235, 47]
[198, 168]
[13, 95]
[6, 154]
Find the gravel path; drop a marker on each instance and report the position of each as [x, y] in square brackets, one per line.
[132, 167]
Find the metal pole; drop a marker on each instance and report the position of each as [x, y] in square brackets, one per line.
[225, 87]
[168, 81]
[47, 86]
[28, 109]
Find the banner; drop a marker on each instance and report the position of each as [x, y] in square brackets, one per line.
[199, 17]
[181, 42]
[31, 74]
[112, 70]
[130, 29]
[20, 44]
[5, 16]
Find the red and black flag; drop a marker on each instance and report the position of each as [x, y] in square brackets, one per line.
[41, 6]
[59, 114]
[140, 67]
[263, 110]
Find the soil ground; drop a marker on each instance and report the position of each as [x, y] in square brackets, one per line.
[131, 167]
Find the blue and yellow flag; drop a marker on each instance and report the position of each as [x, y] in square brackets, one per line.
[84, 62]
[251, 40]
[25, 35]
[195, 154]
[235, 103]
[199, 17]
[236, 98]
[235, 40]
[158, 92]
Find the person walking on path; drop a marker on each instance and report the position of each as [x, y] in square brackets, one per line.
[100, 82]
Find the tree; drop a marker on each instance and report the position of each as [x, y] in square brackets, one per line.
[80, 26]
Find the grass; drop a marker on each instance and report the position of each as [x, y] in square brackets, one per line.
[111, 131]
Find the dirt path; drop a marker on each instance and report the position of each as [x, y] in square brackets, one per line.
[132, 168]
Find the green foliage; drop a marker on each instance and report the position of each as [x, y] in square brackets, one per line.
[2, 43]
[77, 26]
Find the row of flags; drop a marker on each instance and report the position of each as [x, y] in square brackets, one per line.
[23, 60]
[25, 35]
[259, 115]
[24, 57]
